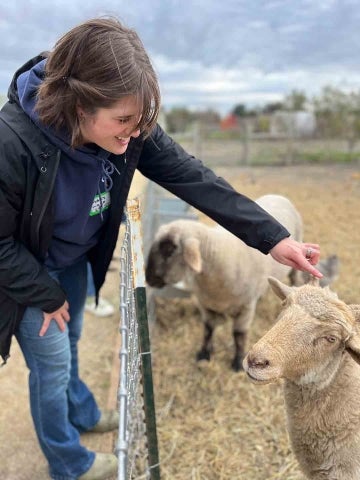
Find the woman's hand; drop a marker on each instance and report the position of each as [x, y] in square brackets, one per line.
[60, 316]
[301, 256]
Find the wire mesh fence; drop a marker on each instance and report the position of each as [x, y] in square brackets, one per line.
[161, 207]
[137, 447]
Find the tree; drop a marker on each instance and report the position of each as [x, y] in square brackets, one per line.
[178, 119]
[239, 110]
[272, 107]
[208, 117]
[295, 101]
[338, 114]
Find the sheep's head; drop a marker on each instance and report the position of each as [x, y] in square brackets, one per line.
[173, 253]
[306, 344]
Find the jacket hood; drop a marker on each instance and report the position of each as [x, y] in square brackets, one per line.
[27, 84]
[13, 89]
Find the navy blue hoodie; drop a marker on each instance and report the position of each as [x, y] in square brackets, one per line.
[83, 181]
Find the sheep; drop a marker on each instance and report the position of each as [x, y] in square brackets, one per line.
[226, 276]
[315, 348]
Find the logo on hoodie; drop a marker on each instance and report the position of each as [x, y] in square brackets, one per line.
[101, 202]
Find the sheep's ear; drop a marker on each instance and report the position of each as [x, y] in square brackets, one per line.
[353, 344]
[192, 255]
[279, 288]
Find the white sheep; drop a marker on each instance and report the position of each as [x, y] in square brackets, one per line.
[226, 276]
[312, 347]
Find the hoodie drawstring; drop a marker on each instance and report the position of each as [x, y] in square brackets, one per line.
[107, 168]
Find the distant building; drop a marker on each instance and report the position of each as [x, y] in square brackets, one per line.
[297, 124]
[230, 122]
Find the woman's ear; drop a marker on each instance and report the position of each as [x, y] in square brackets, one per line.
[80, 112]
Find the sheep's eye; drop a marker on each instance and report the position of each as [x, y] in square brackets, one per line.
[330, 338]
[167, 248]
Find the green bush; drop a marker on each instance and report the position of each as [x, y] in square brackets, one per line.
[326, 157]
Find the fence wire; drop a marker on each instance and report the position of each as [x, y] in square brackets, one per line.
[137, 447]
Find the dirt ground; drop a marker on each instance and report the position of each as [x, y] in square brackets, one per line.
[213, 424]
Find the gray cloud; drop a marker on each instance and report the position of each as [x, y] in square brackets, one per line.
[207, 52]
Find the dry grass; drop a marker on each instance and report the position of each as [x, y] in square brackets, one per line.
[213, 424]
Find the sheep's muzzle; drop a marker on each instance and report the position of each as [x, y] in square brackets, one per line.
[259, 367]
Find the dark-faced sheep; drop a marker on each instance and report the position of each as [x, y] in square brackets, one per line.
[226, 276]
[315, 348]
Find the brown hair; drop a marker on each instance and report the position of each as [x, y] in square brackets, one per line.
[94, 65]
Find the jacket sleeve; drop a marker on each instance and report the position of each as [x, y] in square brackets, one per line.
[22, 277]
[169, 165]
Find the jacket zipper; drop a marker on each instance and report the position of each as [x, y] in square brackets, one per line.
[43, 170]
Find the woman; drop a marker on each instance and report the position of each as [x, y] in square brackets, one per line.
[79, 121]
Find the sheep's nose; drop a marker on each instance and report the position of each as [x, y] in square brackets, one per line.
[257, 361]
[153, 280]
[156, 282]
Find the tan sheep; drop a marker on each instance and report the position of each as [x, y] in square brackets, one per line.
[312, 347]
[225, 275]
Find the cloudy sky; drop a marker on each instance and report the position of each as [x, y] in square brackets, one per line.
[209, 53]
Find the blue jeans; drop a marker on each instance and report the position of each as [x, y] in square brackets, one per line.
[90, 282]
[61, 404]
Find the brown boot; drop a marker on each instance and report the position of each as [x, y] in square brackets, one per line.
[109, 421]
[105, 465]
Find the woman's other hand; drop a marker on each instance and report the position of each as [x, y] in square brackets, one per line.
[61, 316]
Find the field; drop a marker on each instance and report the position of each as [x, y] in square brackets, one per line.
[213, 424]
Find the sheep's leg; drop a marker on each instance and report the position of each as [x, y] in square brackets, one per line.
[241, 323]
[207, 348]
[239, 342]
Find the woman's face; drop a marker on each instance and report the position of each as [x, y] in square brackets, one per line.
[111, 128]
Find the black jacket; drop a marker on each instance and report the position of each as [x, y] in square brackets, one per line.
[28, 167]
